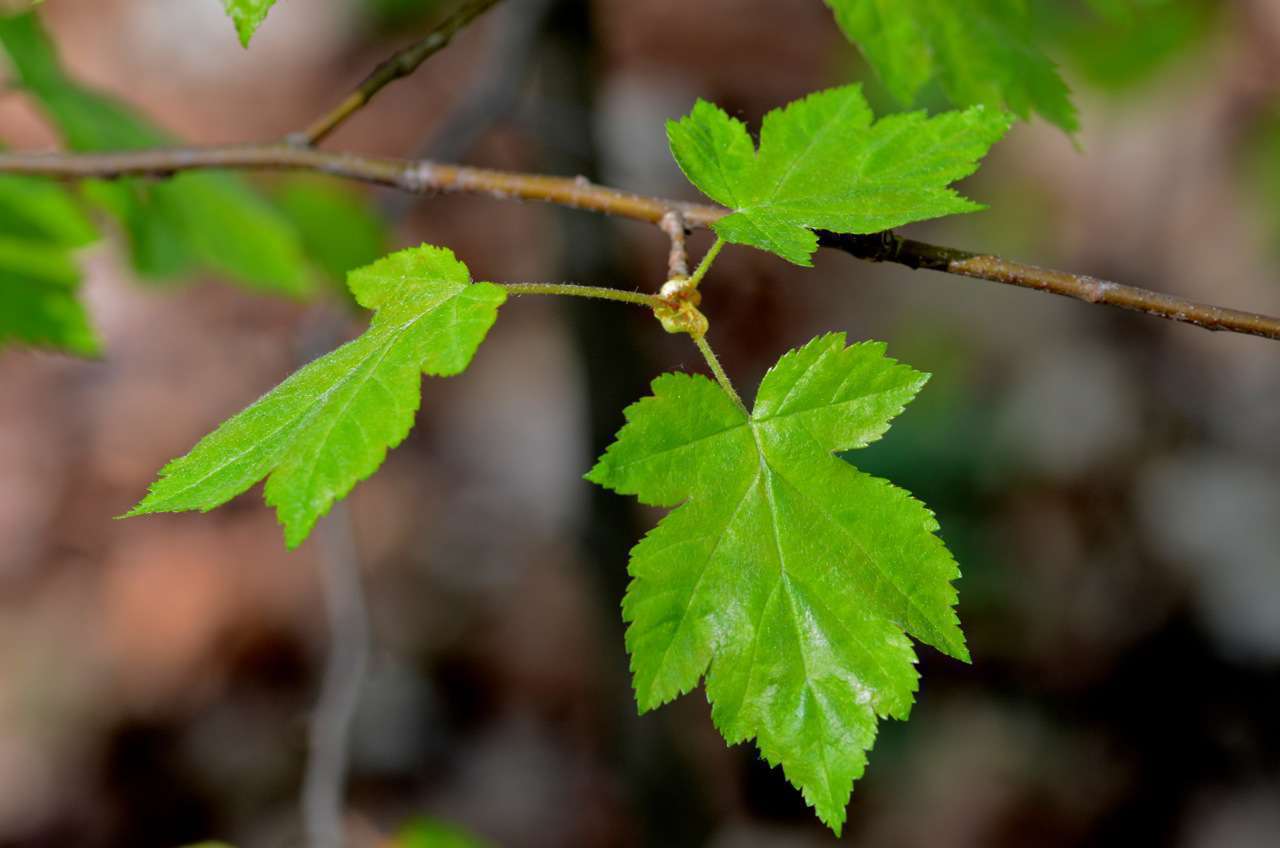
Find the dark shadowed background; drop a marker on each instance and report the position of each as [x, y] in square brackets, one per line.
[1110, 483]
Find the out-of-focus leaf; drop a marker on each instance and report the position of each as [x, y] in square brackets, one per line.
[196, 220]
[1124, 42]
[429, 833]
[980, 51]
[44, 211]
[38, 304]
[247, 15]
[340, 228]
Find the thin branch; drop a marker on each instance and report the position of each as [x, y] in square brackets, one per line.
[325, 781]
[673, 225]
[399, 65]
[425, 177]
[890, 247]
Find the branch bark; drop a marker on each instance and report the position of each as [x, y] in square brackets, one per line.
[426, 177]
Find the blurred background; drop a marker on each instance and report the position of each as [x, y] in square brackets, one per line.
[1109, 482]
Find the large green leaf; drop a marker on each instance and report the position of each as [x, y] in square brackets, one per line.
[330, 425]
[824, 163]
[786, 576]
[980, 51]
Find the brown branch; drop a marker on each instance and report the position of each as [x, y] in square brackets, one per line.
[673, 225]
[423, 177]
[399, 65]
[890, 247]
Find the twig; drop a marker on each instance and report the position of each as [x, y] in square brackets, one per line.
[890, 247]
[425, 177]
[496, 95]
[324, 784]
[401, 64]
[673, 225]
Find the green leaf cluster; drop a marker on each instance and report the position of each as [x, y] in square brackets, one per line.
[194, 221]
[825, 163]
[784, 575]
[331, 424]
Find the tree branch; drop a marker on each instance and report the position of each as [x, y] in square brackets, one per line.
[425, 177]
[399, 65]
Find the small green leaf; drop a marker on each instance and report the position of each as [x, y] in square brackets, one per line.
[247, 15]
[824, 165]
[786, 576]
[330, 425]
[38, 305]
[981, 51]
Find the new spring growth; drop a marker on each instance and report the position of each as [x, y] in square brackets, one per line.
[678, 312]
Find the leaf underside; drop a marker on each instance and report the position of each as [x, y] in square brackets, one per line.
[787, 577]
[979, 51]
[331, 424]
[825, 163]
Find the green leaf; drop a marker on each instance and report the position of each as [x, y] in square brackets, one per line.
[824, 165]
[340, 227]
[786, 576]
[195, 220]
[40, 224]
[1125, 42]
[247, 15]
[330, 424]
[38, 304]
[43, 211]
[980, 51]
[435, 834]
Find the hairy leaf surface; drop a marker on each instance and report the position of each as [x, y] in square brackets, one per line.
[980, 51]
[824, 163]
[247, 15]
[330, 424]
[785, 575]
